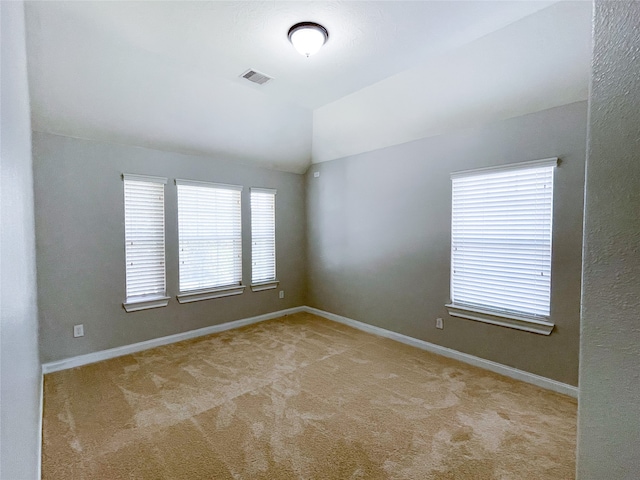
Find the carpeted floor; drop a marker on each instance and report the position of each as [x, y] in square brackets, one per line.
[300, 398]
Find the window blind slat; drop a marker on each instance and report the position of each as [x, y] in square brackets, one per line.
[501, 231]
[210, 235]
[263, 235]
[144, 237]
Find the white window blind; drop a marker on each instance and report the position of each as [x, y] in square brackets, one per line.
[210, 235]
[501, 238]
[263, 235]
[144, 237]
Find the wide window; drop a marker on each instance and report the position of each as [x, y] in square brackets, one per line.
[144, 242]
[210, 240]
[501, 232]
[263, 239]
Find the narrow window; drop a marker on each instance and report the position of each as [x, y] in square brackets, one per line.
[263, 239]
[144, 242]
[210, 240]
[501, 234]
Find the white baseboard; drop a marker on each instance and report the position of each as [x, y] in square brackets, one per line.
[40, 420]
[505, 370]
[80, 360]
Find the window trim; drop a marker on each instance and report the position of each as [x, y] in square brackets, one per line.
[545, 162]
[210, 293]
[197, 183]
[189, 296]
[268, 285]
[145, 302]
[530, 323]
[144, 178]
[503, 319]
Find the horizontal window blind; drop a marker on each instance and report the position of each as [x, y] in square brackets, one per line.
[263, 235]
[210, 235]
[501, 239]
[144, 237]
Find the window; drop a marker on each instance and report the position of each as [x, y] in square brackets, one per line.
[263, 239]
[501, 245]
[144, 242]
[210, 240]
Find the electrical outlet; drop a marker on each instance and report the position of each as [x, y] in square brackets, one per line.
[78, 330]
[316, 174]
[281, 294]
[439, 323]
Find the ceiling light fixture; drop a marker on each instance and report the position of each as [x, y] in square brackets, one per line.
[308, 37]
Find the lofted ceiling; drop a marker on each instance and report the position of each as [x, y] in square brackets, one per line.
[166, 75]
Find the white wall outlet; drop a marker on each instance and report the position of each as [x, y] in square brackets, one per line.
[281, 294]
[439, 323]
[78, 330]
[316, 174]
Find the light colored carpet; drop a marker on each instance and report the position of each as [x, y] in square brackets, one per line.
[300, 398]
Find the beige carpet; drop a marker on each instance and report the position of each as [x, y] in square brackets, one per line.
[300, 398]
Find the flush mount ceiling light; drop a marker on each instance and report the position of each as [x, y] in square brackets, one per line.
[308, 37]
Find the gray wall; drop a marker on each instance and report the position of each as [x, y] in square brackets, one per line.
[80, 250]
[20, 371]
[609, 407]
[379, 237]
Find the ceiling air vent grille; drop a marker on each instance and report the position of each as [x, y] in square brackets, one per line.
[256, 77]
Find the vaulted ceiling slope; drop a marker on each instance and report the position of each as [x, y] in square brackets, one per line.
[166, 75]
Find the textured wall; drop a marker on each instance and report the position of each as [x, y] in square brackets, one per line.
[80, 250]
[20, 372]
[379, 237]
[609, 407]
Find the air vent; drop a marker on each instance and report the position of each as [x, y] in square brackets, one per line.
[256, 77]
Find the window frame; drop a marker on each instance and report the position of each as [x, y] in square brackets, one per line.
[534, 323]
[136, 303]
[216, 291]
[271, 283]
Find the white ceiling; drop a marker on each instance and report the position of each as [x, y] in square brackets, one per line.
[539, 62]
[166, 74]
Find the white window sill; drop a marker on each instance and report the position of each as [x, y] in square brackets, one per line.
[259, 287]
[209, 293]
[519, 322]
[135, 305]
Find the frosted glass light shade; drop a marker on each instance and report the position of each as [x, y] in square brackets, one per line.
[307, 37]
